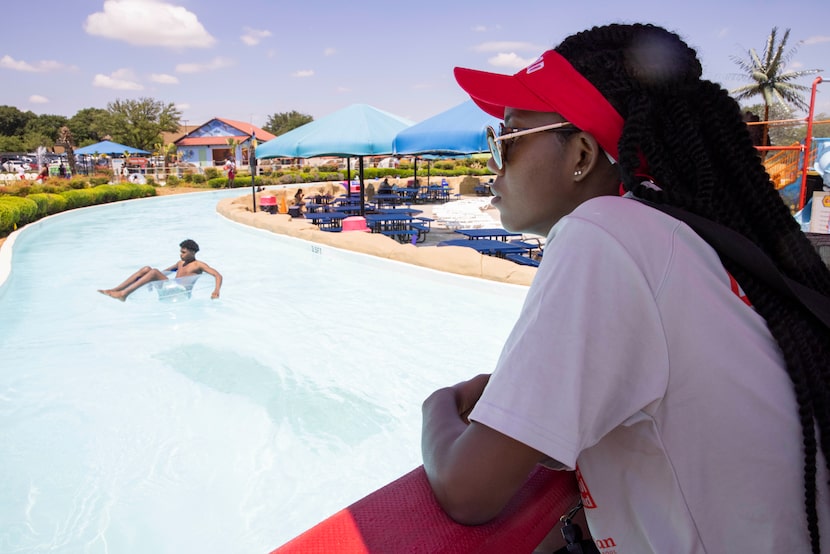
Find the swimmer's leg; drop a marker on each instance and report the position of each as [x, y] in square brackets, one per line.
[138, 279]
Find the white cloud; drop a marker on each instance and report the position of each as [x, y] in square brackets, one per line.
[164, 79]
[252, 37]
[480, 29]
[510, 60]
[149, 23]
[817, 39]
[509, 46]
[38, 99]
[183, 106]
[303, 73]
[37, 67]
[329, 52]
[121, 79]
[213, 65]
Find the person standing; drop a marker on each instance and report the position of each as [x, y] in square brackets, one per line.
[230, 167]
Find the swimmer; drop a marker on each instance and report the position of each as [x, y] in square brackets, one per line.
[188, 265]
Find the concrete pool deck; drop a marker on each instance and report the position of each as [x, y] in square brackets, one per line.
[452, 259]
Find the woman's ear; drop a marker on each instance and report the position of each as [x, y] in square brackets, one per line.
[587, 155]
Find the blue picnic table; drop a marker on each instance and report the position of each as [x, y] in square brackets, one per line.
[489, 247]
[494, 233]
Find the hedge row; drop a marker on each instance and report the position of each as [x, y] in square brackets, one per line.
[16, 211]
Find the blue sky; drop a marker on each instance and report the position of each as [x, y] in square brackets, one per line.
[248, 60]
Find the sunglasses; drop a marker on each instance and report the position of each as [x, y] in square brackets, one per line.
[498, 142]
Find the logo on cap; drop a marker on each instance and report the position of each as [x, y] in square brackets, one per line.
[535, 66]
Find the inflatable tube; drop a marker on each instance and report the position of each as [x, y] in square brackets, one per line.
[175, 289]
[404, 516]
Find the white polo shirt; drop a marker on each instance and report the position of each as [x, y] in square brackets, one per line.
[637, 361]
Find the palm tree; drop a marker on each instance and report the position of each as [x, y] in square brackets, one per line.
[768, 76]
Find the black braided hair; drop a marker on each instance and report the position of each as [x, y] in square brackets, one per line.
[697, 148]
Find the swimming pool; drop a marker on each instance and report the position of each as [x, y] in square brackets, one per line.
[226, 425]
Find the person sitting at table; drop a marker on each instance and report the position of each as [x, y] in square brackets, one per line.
[385, 187]
[299, 203]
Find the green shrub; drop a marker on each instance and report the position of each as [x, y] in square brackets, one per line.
[188, 177]
[199, 179]
[78, 198]
[16, 211]
[217, 182]
[103, 194]
[172, 181]
[77, 183]
[211, 173]
[98, 180]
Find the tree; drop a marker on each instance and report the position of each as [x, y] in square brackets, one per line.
[781, 135]
[46, 126]
[66, 140]
[89, 125]
[768, 77]
[280, 123]
[139, 123]
[13, 121]
[822, 130]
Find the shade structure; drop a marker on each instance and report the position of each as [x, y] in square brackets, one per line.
[357, 130]
[107, 147]
[459, 131]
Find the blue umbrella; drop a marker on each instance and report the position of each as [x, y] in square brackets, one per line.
[459, 131]
[107, 147]
[357, 130]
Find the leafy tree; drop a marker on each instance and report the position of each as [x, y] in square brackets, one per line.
[280, 123]
[139, 123]
[13, 121]
[89, 125]
[822, 130]
[768, 77]
[46, 126]
[11, 144]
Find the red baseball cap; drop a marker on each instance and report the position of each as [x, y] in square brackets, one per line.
[550, 84]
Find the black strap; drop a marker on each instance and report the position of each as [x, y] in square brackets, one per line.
[741, 250]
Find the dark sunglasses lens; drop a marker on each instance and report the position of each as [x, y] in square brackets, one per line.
[495, 151]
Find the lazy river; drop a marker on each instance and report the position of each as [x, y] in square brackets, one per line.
[226, 425]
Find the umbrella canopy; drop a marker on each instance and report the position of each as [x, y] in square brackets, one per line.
[108, 147]
[458, 131]
[357, 130]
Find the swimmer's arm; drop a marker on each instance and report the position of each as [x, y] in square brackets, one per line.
[473, 469]
[174, 267]
[216, 276]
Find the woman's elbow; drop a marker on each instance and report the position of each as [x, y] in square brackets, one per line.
[467, 509]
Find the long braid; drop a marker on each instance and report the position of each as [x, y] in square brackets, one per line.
[698, 150]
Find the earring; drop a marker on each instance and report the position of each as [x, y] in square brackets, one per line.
[577, 173]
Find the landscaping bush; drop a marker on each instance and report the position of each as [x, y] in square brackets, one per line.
[198, 179]
[77, 183]
[78, 198]
[16, 211]
[48, 203]
[211, 173]
[217, 182]
[98, 180]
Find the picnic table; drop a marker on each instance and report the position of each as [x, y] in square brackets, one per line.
[391, 199]
[494, 233]
[327, 221]
[489, 247]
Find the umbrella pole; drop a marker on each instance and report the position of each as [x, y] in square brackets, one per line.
[349, 176]
[362, 190]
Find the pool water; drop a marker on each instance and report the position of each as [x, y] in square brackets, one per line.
[226, 425]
